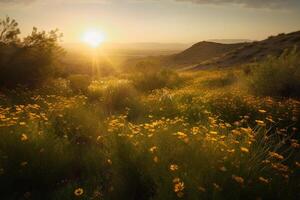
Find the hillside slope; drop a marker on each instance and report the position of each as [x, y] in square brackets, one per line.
[203, 51]
[190, 57]
[255, 51]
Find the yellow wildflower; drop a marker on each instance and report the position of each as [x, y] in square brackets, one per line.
[236, 132]
[178, 187]
[181, 135]
[24, 137]
[280, 167]
[78, 192]
[153, 149]
[230, 150]
[260, 122]
[262, 111]
[244, 150]
[263, 180]
[213, 132]
[195, 130]
[238, 179]
[174, 167]
[276, 155]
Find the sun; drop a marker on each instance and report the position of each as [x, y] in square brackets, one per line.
[93, 38]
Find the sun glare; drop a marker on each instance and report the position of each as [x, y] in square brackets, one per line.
[93, 38]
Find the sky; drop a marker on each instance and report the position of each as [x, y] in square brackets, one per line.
[162, 21]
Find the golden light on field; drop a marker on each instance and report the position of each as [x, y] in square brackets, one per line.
[93, 38]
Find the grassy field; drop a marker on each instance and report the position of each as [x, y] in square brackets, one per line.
[192, 135]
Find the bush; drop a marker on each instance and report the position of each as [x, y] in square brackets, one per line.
[79, 82]
[222, 81]
[29, 62]
[277, 76]
[148, 80]
[115, 96]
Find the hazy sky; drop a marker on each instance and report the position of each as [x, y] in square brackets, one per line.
[181, 21]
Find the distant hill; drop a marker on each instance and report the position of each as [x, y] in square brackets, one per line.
[197, 53]
[230, 41]
[193, 56]
[207, 54]
[254, 51]
[202, 51]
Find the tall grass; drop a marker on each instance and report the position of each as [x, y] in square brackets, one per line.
[148, 80]
[116, 96]
[118, 142]
[277, 76]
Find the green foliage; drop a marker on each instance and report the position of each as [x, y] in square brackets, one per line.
[115, 96]
[147, 80]
[277, 76]
[29, 62]
[223, 81]
[79, 82]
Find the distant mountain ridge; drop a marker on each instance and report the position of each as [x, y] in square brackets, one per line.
[208, 54]
[230, 41]
[254, 51]
[203, 51]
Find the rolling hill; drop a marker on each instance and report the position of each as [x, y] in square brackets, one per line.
[192, 56]
[202, 51]
[208, 54]
[255, 51]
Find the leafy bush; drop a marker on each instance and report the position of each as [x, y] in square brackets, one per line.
[148, 80]
[277, 76]
[79, 82]
[28, 62]
[115, 96]
[223, 81]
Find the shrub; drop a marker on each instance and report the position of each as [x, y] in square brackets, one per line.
[223, 81]
[29, 62]
[79, 82]
[277, 76]
[115, 96]
[148, 80]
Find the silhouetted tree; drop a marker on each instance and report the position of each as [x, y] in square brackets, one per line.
[28, 62]
[9, 31]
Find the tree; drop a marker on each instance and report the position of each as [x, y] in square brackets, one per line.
[9, 31]
[31, 61]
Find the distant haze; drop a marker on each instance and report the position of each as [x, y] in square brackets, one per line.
[230, 41]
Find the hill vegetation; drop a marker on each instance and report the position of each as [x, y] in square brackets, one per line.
[203, 51]
[256, 51]
[29, 61]
[207, 54]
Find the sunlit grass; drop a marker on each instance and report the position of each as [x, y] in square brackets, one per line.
[198, 140]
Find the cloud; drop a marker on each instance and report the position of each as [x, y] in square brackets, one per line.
[272, 4]
[26, 2]
[249, 3]
[16, 1]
